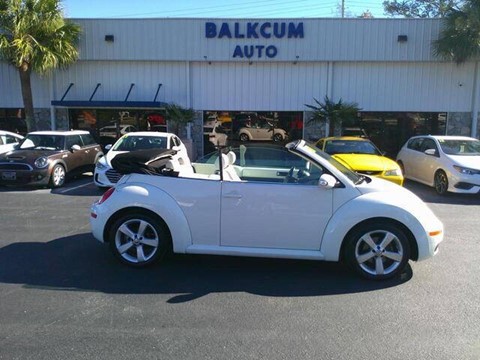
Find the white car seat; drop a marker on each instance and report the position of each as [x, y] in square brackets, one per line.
[229, 173]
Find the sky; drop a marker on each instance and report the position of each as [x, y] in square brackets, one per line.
[218, 8]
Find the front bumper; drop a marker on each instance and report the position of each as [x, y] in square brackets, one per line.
[25, 177]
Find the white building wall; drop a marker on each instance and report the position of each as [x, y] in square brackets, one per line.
[10, 91]
[405, 86]
[324, 40]
[115, 78]
[256, 87]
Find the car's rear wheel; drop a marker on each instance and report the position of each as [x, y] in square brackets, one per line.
[57, 179]
[244, 137]
[440, 182]
[139, 239]
[378, 251]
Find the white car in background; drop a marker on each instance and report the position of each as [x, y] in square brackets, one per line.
[111, 130]
[8, 140]
[448, 163]
[105, 176]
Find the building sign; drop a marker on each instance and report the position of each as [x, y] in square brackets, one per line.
[254, 30]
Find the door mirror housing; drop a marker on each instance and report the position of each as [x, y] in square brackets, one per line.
[76, 147]
[327, 182]
[431, 152]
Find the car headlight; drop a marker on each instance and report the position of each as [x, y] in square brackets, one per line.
[466, 171]
[393, 172]
[41, 162]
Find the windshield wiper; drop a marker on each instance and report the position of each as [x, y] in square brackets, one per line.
[360, 180]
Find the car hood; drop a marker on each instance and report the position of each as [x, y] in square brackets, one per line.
[366, 162]
[27, 155]
[472, 162]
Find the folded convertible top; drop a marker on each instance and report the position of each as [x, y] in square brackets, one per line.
[148, 161]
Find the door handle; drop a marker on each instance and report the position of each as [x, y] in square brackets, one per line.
[232, 195]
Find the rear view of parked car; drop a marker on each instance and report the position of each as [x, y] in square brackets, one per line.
[47, 157]
[448, 163]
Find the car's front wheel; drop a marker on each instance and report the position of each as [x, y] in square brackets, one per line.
[244, 137]
[440, 181]
[378, 251]
[139, 239]
[57, 179]
[277, 137]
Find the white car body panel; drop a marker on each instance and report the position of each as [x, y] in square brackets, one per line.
[210, 216]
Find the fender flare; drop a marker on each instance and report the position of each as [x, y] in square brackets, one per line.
[348, 217]
[157, 201]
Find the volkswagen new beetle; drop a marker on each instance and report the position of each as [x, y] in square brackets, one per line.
[298, 202]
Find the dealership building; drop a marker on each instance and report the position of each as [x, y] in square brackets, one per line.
[263, 70]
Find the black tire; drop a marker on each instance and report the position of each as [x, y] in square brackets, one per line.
[57, 178]
[139, 239]
[440, 182]
[244, 137]
[366, 255]
[277, 137]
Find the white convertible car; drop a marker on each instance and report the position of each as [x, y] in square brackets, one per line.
[293, 202]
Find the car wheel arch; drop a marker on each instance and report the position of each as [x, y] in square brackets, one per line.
[137, 210]
[346, 218]
[156, 202]
[410, 237]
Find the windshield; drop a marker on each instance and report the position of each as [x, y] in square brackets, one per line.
[43, 142]
[460, 147]
[350, 147]
[130, 143]
[354, 177]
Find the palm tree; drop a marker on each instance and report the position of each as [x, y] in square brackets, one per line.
[333, 113]
[459, 38]
[178, 116]
[34, 37]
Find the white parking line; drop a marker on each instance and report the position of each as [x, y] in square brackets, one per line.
[74, 188]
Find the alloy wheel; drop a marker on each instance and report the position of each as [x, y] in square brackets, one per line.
[379, 252]
[136, 241]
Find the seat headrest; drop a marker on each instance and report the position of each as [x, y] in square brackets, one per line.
[225, 161]
[231, 157]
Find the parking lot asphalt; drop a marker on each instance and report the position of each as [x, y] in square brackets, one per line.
[63, 295]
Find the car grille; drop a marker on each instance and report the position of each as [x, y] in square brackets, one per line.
[14, 166]
[113, 176]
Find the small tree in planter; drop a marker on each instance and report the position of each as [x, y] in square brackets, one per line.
[333, 114]
[178, 116]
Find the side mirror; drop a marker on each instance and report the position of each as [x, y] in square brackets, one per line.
[327, 182]
[108, 147]
[76, 147]
[431, 152]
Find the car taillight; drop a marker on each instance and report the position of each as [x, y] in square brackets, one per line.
[105, 196]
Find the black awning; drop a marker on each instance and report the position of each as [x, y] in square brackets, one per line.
[109, 104]
[125, 104]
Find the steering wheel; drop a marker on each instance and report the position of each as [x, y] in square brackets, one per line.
[290, 178]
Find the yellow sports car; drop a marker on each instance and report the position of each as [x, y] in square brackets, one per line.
[362, 156]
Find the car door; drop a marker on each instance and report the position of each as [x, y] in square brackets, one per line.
[75, 159]
[274, 215]
[427, 163]
[91, 149]
[411, 156]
